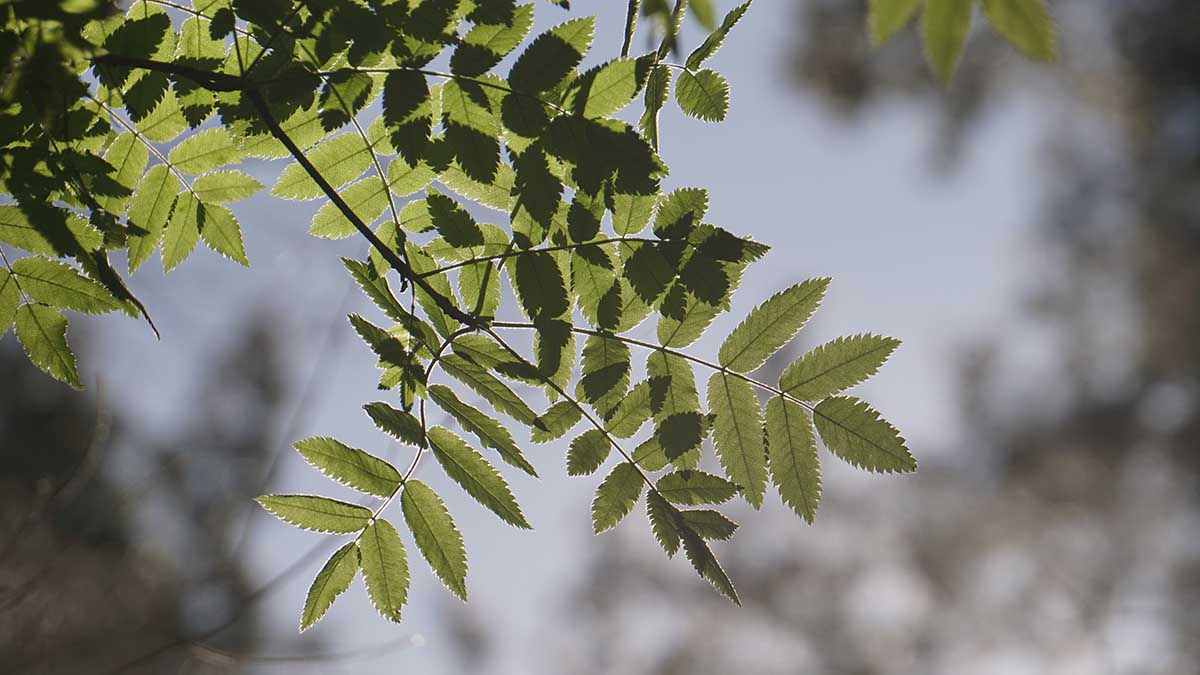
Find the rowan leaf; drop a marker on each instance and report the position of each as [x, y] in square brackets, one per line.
[475, 475]
[792, 448]
[588, 451]
[616, 496]
[149, 210]
[385, 568]
[182, 230]
[333, 580]
[886, 17]
[854, 431]
[204, 151]
[706, 564]
[350, 466]
[42, 332]
[10, 299]
[771, 325]
[400, 425]
[944, 27]
[222, 233]
[836, 366]
[437, 537]
[703, 94]
[339, 160]
[228, 185]
[663, 522]
[1026, 24]
[58, 285]
[489, 431]
[715, 39]
[695, 487]
[316, 514]
[737, 434]
[486, 385]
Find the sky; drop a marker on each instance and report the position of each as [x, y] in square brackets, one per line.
[920, 255]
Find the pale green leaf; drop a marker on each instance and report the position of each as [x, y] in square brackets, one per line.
[489, 431]
[10, 299]
[944, 25]
[605, 89]
[557, 421]
[616, 496]
[317, 514]
[221, 231]
[771, 325]
[695, 487]
[706, 564]
[715, 39]
[487, 386]
[148, 213]
[436, 535]
[228, 185]
[663, 522]
[350, 466]
[836, 366]
[795, 468]
[708, 524]
[1026, 24]
[333, 580]
[401, 425]
[204, 151]
[479, 478]
[737, 434]
[587, 452]
[338, 160]
[57, 284]
[854, 431]
[631, 413]
[128, 155]
[886, 17]
[385, 568]
[182, 231]
[703, 94]
[42, 332]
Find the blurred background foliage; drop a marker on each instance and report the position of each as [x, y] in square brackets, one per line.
[1062, 540]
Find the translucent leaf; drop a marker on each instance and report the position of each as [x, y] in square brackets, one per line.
[385, 568]
[57, 284]
[771, 325]
[836, 366]
[557, 421]
[795, 468]
[616, 497]
[350, 466]
[588, 451]
[540, 285]
[737, 434]
[52, 231]
[148, 213]
[885, 17]
[128, 155]
[703, 94]
[10, 298]
[854, 431]
[708, 524]
[165, 121]
[604, 90]
[229, 185]
[487, 43]
[631, 213]
[205, 150]
[658, 87]
[333, 580]
[552, 56]
[366, 198]
[397, 423]
[715, 39]
[42, 332]
[472, 129]
[222, 233]
[706, 564]
[679, 212]
[317, 514]
[944, 25]
[479, 478]
[1026, 24]
[486, 385]
[339, 160]
[605, 377]
[695, 487]
[631, 413]
[489, 431]
[436, 535]
[663, 522]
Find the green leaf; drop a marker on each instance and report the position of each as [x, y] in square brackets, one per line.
[366, 198]
[182, 231]
[663, 522]
[205, 150]
[737, 434]
[886, 17]
[228, 185]
[472, 129]
[680, 433]
[1026, 24]
[396, 423]
[631, 413]
[605, 377]
[616, 496]
[557, 421]
[486, 385]
[487, 43]
[128, 155]
[703, 94]
[317, 514]
[42, 331]
[479, 478]
[945, 24]
[658, 87]
[222, 233]
[605, 89]
[695, 487]
[588, 451]
[350, 466]
[631, 213]
[854, 431]
[489, 431]
[57, 284]
[552, 56]
[385, 568]
[540, 286]
[706, 564]
[708, 524]
[437, 537]
[771, 325]
[715, 39]
[795, 468]
[333, 580]
[148, 213]
[339, 160]
[10, 298]
[836, 366]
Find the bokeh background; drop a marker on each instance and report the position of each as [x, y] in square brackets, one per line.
[1032, 234]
